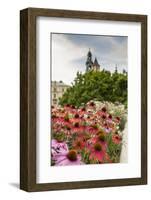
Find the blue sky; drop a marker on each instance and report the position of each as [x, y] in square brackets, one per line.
[69, 53]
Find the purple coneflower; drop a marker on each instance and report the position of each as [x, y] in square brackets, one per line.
[58, 148]
[71, 158]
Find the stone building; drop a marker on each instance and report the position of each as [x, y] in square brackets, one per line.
[57, 90]
[90, 65]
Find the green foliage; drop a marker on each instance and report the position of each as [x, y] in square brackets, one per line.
[113, 150]
[100, 86]
[122, 123]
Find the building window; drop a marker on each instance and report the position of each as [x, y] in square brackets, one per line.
[54, 95]
[54, 101]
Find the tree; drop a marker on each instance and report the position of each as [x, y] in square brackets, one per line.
[100, 86]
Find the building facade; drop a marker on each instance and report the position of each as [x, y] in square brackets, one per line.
[57, 90]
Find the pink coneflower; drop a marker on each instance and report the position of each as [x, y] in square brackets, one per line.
[66, 123]
[68, 108]
[71, 158]
[58, 148]
[84, 137]
[77, 129]
[116, 139]
[75, 120]
[103, 116]
[82, 112]
[84, 130]
[97, 152]
[101, 139]
[91, 130]
[78, 144]
[58, 120]
[117, 120]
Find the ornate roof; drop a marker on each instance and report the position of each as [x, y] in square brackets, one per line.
[96, 62]
[90, 65]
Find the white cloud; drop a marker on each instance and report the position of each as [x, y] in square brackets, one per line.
[63, 53]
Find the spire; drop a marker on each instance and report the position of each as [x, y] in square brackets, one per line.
[89, 53]
[96, 62]
[89, 62]
[96, 65]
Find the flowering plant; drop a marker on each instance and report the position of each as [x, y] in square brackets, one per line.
[85, 135]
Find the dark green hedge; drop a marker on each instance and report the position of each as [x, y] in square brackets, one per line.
[100, 86]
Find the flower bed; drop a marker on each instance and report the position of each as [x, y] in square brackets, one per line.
[86, 135]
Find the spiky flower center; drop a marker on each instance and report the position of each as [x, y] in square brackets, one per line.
[92, 104]
[101, 137]
[78, 144]
[68, 128]
[100, 132]
[72, 155]
[104, 109]
[117, 137]
[66, 118]
[83, 109]
[76, 124]
[103, 116]
[110, 116]
[98, 147]
[76, 115]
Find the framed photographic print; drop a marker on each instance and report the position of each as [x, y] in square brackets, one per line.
[83, 99]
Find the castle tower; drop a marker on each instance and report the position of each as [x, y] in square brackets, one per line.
[90, 65]
[96, 66]
[89, 61]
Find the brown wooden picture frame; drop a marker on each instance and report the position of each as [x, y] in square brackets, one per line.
[28, 98]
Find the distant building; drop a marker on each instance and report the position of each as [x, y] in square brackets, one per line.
[57, 90]
[90, 65]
